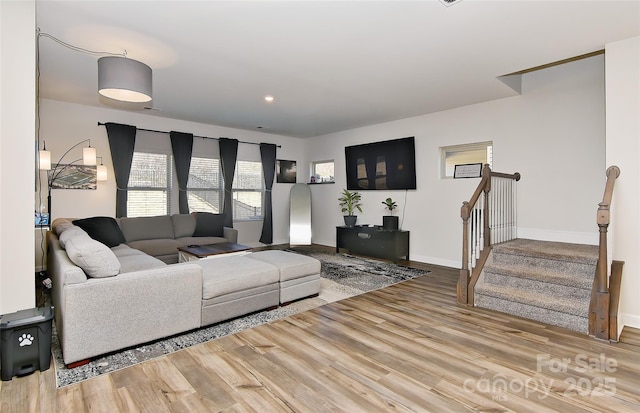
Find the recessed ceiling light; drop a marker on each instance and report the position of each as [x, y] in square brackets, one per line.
[269, 98]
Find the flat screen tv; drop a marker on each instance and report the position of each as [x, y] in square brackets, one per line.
[382, 165]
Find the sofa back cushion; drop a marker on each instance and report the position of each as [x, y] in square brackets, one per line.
[95, 258]
[102, 229]
[139, 228]
[60, 225]
[71, 233]
[183, 225]
[209, 225]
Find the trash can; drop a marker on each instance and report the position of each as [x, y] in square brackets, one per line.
[25, 342]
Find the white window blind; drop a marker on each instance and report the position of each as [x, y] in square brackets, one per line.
[205, 185]
[248, 191]
[149, 190]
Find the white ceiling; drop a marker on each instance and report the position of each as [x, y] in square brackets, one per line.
[331, 65]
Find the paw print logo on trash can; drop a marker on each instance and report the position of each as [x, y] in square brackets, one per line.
[25, 340]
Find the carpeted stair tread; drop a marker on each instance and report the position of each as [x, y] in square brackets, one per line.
[543, 315]
[560, 251]
[560, 304]
[540, 280]
[541, 275]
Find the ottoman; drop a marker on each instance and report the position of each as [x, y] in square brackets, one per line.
[299, 274]
[235, 286]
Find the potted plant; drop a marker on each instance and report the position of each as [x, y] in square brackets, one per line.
[349, 202]
[390, 222]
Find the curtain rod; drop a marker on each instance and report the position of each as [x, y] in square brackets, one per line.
[201, 137]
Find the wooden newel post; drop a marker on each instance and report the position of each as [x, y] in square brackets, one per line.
[599, 314]
[602, 288]
[463, 279]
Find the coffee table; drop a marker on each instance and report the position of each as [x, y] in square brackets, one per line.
[200, 252]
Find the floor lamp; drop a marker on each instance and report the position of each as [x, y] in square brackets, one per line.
[88, 158]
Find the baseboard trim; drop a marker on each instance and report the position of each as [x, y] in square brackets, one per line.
[435, 261]
[629, 320]
[559, 236]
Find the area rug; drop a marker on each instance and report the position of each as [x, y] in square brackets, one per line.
[343, 276]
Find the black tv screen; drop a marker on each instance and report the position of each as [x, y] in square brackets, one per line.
[382, 165]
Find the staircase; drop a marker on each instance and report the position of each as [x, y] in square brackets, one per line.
[545, 281]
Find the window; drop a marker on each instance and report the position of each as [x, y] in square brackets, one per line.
[205, 185]
[149, 190]
[322, 171]
[248, 191]
[450, 156]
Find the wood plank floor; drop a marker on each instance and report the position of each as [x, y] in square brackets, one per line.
[406, 348]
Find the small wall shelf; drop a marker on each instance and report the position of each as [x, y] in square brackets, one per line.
[319, 183]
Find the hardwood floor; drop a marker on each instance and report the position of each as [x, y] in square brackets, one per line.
[406, 348]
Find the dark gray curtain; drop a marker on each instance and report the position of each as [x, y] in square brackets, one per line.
[268, 156]
[182, 146]
[122, 141]
[228, 156]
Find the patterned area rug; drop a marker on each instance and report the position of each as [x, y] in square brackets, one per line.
[343, 276]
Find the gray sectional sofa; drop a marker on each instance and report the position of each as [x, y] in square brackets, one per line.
[117, 283]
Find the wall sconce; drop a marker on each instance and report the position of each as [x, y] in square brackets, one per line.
[88, 159]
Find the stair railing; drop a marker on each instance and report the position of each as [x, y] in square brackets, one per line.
[603, 307]
[488, 218]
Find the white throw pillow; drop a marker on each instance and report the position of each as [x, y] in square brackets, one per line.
[95, 258]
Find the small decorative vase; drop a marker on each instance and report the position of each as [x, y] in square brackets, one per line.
[390, 222]
[350, 220]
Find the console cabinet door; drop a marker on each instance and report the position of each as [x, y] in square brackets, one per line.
[373, 242]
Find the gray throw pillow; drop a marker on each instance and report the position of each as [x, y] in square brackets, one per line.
[71, 233]
[95, 258]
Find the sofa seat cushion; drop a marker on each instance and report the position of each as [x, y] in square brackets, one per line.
[123, 250]
[95, 258]
[139, 262]
[132, 259]
[228, 275]
[156, 247]
[147, 228]
[291, 265]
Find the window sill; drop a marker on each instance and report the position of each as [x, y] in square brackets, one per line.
[319, 183]
[248, 220]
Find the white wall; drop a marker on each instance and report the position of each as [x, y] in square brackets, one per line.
[553, 134]
[623, 150]
[65, 124]
[17, 154]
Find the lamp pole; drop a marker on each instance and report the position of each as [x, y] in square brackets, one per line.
[53, 175]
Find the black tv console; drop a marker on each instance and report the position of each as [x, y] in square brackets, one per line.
[373, 241]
